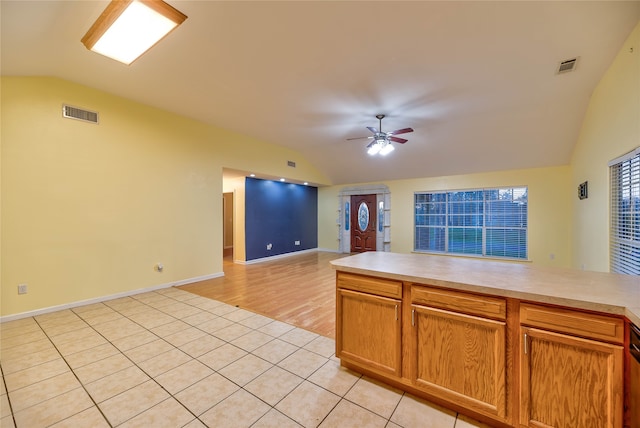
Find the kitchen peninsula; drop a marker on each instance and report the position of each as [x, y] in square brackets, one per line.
[507, 343]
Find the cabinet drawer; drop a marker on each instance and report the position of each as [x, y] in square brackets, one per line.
[600, 327]
[490, 307]
[369, 284]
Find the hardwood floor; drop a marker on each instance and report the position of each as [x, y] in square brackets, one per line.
[299, 290]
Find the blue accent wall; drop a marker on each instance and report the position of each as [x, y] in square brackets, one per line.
[279, 214]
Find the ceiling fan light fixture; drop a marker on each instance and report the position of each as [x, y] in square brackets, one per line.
[388, 148]
[128, 28]
[373, 148]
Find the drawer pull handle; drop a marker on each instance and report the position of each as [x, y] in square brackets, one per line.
[525, 343]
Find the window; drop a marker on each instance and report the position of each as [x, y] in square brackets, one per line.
[625, 213]
[481, 222]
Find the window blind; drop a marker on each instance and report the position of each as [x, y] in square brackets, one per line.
[479, 222]
[625, 214]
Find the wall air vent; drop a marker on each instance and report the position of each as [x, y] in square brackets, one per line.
[79, 114]
[567, 66]
[292, 164]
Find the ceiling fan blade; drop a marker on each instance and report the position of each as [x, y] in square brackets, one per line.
[398, 140]
[379, 136]
[400, 131]
[359, 138]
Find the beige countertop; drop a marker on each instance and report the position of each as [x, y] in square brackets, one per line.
[603, 292]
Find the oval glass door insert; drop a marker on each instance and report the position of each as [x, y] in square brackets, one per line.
[363, 216]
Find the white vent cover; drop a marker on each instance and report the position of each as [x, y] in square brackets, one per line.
[79, 114]
[567, 66]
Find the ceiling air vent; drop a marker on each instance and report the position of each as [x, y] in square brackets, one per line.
[567, 66]
[79, 114]
[291, 164]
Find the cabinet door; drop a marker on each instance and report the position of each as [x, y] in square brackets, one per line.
[634, 393]
[368, 331]
[460, 358]
[569, 382]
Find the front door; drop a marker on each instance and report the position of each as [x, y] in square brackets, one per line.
[363, 223]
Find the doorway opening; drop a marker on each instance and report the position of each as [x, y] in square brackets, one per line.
[227, 232]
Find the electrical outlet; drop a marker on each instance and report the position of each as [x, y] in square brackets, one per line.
[22, 289]
[297, 242]
[269, 246]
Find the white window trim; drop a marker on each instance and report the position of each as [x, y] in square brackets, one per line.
[618, 263]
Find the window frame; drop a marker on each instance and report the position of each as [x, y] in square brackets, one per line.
[624, 177]
[485, 226]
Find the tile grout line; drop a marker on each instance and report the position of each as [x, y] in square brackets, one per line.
[241, 387]
[136, 364]
[273, 407]
[328, 360]
[39, 323]
[72, 371]
[192, 358]
[13, 417]
[172, 345]
[79, 316]
[276, 365]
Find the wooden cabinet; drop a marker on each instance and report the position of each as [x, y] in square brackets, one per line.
[368, 327]
[634, 393]
[633, 396]
[459, 353]
[500, 360]
[567, 380]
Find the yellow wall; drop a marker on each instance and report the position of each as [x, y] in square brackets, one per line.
[611, 128]
[549, 209]
[88, 210]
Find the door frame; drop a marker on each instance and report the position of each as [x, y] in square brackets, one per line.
[228, 220]
[383, 226]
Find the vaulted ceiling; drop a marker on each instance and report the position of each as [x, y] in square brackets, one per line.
[476, 80]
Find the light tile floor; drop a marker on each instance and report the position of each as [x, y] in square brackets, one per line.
[170, 358]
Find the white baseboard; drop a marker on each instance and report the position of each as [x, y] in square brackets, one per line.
[109, 297]
[196, 279]
[276, 257]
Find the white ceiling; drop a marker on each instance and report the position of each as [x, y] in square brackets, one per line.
[475, 80]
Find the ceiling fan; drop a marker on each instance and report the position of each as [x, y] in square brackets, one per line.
[382, 140]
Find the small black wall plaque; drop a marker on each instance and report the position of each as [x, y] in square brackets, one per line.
[583, 190]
